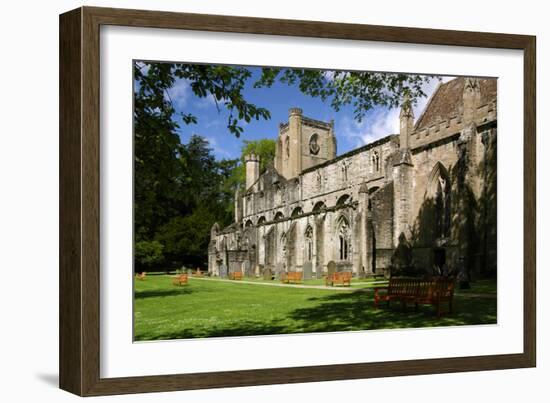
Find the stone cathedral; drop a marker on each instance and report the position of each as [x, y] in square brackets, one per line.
[429, 190]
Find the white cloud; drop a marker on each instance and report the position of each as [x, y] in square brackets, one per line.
[382, 122]
[329, 75]
[218, 149]
[206, 102]
[377, 125]
[180, 93]
[213, 123]
[210, 102]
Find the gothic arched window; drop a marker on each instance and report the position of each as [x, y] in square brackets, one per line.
[442, 208]
[343, 200]
[343, 238]
[319, 206]
[375, 161]
[319, 180]
[297, 212]
[344, 172]
[287, 146]
[309, 243]
[283, 244]
[440, 192]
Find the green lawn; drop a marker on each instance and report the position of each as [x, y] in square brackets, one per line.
[211, 308]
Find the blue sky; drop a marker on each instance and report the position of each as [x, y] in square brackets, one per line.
[379, 122]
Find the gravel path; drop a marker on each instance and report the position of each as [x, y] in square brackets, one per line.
[317, 287]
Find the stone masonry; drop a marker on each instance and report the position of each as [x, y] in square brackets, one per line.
[431, 186]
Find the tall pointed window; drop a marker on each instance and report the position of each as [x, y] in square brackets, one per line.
[309, 243]
[375, 161]
[442, 207]
[343, 239]
[283, 244]
[344, 172]
[287, 146]
[439, 190]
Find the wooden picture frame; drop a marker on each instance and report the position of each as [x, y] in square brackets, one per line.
[79, 201]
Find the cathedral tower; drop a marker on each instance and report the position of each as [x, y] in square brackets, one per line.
[302, 143]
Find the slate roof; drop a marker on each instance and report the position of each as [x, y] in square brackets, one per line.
[447, 99]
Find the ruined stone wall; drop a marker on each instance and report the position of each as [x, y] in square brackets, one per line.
[326, 183]
[276, 212]
[398, 184]
[472, 206]
[425, 161]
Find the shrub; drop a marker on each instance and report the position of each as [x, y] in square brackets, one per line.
[148, 254]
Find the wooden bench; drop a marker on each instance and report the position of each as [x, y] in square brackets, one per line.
[236, 275]
[198, 273]
[434, 292]
[182, 279]
[141, 276]
[292, 277]
[342, 277]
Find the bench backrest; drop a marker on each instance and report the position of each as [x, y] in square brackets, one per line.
[443, 287]
[341, 275]
[402, 286]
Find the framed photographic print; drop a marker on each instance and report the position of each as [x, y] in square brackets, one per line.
[250, 201]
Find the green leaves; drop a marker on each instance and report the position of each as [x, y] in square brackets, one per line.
[225, 84]
[147, 254]
[186, 237]
[188, 118]
[362, 90]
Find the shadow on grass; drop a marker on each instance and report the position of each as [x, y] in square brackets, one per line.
[162, 293]
[345, 312]
[349, 311]
[355, 311]
[244, 328]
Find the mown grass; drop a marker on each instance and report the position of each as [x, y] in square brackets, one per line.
[212, 308]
